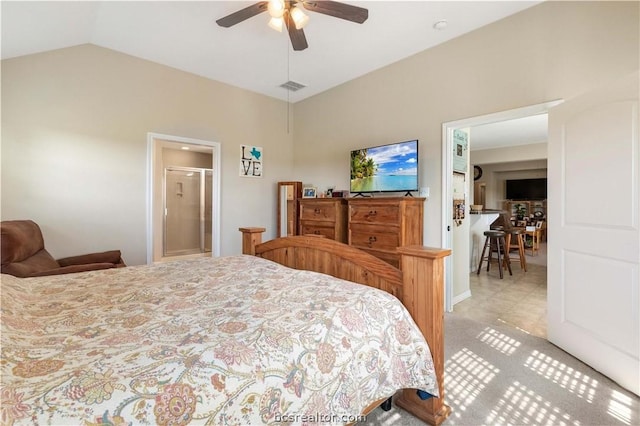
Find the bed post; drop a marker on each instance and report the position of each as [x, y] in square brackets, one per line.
[423, 296]
[251, 237]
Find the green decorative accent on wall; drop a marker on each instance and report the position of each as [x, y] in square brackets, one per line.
[460, 149]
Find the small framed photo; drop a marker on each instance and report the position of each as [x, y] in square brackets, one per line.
[539, 224]
[309, 192]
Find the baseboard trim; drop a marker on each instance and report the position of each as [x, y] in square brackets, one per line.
[459, 298]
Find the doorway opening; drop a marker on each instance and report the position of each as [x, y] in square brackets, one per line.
[183, 205]
[462, 255]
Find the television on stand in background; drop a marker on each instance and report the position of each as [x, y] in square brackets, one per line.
[385, 168]
[526, 189]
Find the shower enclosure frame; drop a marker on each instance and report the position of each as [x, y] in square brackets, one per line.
[201, 215]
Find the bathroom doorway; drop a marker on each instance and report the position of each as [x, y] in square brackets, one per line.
[183, 198]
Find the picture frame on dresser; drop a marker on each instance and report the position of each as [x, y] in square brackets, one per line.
[309, 192]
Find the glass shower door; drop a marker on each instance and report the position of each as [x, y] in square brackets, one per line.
[187, 211]
[208, 210]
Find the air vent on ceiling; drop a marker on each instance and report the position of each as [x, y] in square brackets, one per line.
[293, 86]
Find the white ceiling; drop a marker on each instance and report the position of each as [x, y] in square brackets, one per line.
[519, 131]
[250, 55]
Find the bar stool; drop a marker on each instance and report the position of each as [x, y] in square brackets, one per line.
[495, 239]
[535, 240]
[515, 241]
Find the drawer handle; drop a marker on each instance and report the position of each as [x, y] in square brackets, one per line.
[372, 213]
[317, 211]
[316, 232]
[372, 239]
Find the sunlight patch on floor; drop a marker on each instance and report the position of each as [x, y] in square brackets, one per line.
[560, 373]
[499, 341]
[620, 408]
[520, 405]
[466, 378]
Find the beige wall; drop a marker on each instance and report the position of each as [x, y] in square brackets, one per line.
[535, 151]
[551, 51]
[74, 146]
[75, 121]
[524, 160]
[495, 175]
[182, 158]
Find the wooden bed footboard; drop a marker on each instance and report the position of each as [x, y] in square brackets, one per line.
[419, 285]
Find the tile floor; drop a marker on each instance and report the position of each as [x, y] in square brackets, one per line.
[519, 300]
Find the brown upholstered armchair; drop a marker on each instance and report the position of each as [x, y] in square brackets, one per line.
[23, 253]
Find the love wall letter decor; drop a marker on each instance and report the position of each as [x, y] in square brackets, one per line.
[251, 161]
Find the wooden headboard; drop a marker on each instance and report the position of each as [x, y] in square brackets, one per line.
[315, 253]
[419, 286]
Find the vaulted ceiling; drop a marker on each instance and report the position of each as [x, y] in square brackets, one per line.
[250, 55]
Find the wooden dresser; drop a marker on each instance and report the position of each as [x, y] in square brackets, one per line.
[380, 225]
[324, 216]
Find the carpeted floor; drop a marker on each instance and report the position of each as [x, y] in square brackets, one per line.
[498, 375]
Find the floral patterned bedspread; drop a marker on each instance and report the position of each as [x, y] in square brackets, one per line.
[231, 340]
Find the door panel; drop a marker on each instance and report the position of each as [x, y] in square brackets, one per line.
[582, 308]
[594, 249]
[585, 164]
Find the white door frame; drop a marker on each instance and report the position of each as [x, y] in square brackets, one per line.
[154, 140]
[447, 174]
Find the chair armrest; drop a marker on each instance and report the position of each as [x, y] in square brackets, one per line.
[112, 256]
[74, 268]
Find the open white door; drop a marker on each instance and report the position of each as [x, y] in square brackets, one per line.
[594, 231]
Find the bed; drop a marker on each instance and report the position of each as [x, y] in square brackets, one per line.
[232, 340]
[419, 286]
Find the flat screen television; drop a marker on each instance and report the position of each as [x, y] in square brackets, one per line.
[526, 189]
[386, 168]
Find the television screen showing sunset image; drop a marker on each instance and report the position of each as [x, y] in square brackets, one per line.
[386, 168]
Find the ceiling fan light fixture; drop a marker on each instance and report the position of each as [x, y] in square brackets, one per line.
[276, 8]
[276, 24]
[291, 14]
[299, 18]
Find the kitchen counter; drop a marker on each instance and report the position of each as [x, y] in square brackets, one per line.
[486, 211]
[480, 221]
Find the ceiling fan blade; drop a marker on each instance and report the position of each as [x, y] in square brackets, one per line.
[298, 39]
[338, 10]
[242, 14]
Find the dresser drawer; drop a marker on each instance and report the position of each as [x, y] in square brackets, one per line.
[377, 237]
[318, 229]
[318, 211]
[372, 213]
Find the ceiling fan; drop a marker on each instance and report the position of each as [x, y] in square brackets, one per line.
[291, 14]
